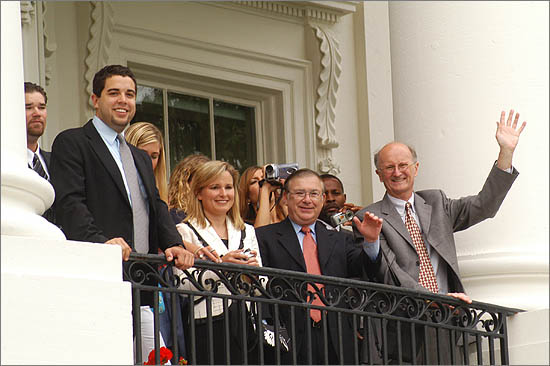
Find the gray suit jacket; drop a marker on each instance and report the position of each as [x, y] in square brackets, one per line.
[439, 217]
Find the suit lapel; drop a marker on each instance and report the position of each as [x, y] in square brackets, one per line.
[106, 158]
[325, 245]
[288, 240]
[424, 213]
[391, 216]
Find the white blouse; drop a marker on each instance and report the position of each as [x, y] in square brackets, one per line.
[212, 238]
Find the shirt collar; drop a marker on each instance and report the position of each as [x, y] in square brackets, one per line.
[30, 154]
[106, 132]
[399, 204]
[298, 228]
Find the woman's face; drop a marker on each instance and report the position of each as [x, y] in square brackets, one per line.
[218, 196]
[254, 186]
[153, 149]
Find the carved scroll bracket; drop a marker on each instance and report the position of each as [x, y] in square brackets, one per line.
[99, 44]
[27, 12]
[50, 46]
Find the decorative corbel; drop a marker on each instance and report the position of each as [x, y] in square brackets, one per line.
[329, 166]
[49, 47]
[329, 81]
[27, 12]
[99, 44]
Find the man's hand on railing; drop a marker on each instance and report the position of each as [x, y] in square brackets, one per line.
[461, 296]
[126, 249]
[183, 259]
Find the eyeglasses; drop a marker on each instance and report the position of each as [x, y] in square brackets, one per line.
[401, 167]
[314, 195]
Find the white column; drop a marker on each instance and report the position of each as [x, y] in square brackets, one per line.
[25, 195]
[455, 66]
[62, 302]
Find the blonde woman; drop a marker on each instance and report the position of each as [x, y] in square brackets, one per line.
[179, 187]
[213, 219]
[146, 136]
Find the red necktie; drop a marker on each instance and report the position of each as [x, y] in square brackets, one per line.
[313, 267]
[426, 276]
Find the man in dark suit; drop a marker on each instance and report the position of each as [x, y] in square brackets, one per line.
[301, 243]
[36, 114]
[428, 261]
[105, 189]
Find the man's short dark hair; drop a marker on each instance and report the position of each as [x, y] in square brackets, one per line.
[32, 87]
[330, 176]
[302, 173]
[107, 72]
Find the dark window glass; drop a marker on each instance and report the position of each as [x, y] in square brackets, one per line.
[149, 106]
[235, 134]
[189, 123]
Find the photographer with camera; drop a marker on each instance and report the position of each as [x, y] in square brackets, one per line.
[336, 212]
[261, 193]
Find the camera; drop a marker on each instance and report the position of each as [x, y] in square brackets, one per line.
[248, 253]
[341, 217]
[275, 172]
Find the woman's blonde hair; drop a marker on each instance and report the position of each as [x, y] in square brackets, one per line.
[142, 133]
[202, 177]
[244, 189]
[179, 187]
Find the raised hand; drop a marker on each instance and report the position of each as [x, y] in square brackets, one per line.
[507, 136]
[370, 227]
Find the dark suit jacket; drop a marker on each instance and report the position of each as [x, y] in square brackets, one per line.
[338, 256]
[439, 217]
[91, 202]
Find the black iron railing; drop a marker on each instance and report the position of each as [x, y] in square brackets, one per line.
[231, 311]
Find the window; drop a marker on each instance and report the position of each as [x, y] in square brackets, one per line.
[217, 128]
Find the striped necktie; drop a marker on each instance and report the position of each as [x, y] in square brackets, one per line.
[37, 167]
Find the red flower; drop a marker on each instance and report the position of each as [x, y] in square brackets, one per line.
[165, 356]
[182, 361]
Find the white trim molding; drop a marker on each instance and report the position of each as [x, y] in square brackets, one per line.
[99, 44]
[322, 11]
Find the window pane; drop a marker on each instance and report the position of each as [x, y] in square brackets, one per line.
[189, 123]
[235, 131]
[149, 106]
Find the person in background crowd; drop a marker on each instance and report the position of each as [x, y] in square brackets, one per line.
[300, 243]
[36, 114]
[260, 203]
[105, 188]
[146, 136]
[335, 201]
[213, 221]
[180, 182]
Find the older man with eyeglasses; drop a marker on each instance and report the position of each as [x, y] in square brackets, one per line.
[302, 243]
[414, 229]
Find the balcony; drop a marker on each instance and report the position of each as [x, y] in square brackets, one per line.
[389, 324]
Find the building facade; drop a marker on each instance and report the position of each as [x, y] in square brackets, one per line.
[320, 83]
